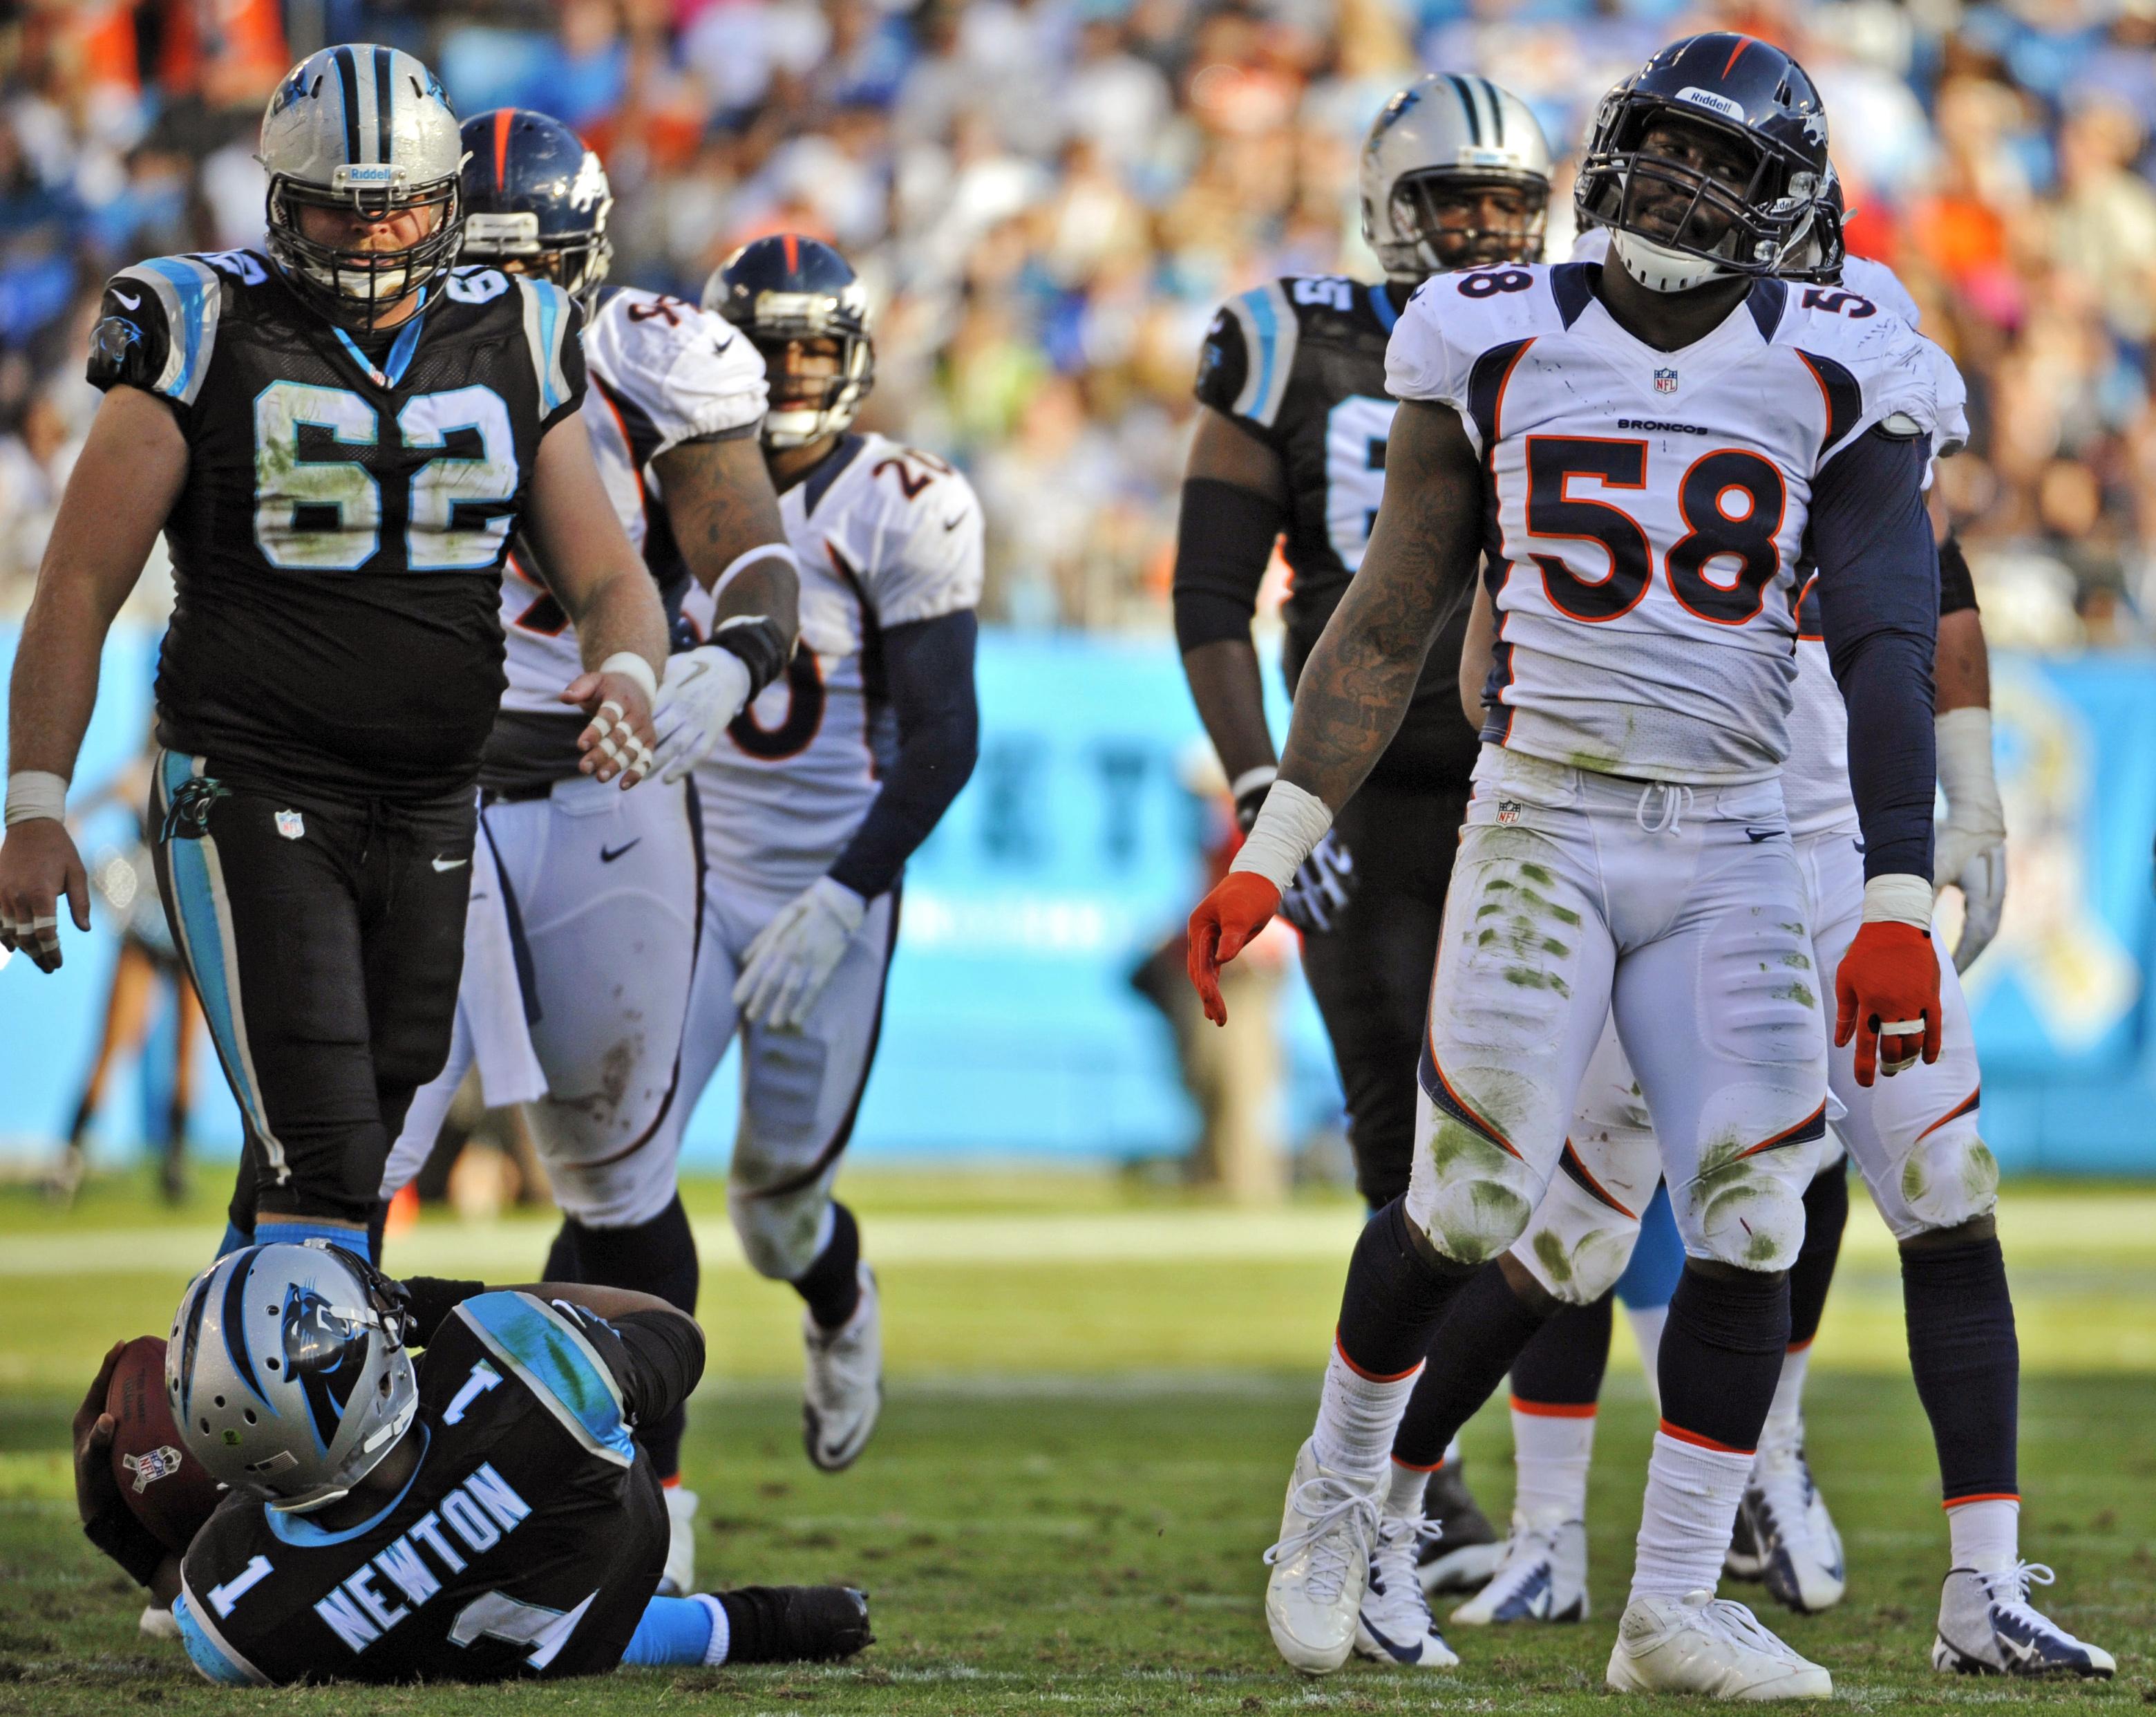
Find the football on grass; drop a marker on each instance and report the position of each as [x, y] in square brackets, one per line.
[167, 1487]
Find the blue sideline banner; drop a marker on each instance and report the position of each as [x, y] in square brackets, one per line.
[1012, 1029]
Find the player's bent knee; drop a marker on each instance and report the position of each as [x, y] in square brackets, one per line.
[1950, 1178]
[1748, 1216]
[779, 1235]
[1473, 1197]
[1577, 1267]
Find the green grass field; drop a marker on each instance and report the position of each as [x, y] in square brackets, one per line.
[1095, 1393]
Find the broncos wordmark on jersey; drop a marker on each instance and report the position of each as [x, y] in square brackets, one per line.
[527, 1542]
[346, 510]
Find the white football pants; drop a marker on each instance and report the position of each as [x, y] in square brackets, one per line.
[1915, 1137]
[599, 894]
[1680, 913]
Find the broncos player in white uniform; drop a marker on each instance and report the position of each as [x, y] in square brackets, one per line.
[581, 937]
[1915, 1140]
[1599, 433]
[823, 789]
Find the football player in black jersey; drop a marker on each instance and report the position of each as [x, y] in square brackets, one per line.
[482, 1514]
[1292, 422]
[337, 437]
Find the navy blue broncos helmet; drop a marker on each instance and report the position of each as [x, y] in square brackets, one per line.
[535, 196]
[1674, 225]
[787, 288]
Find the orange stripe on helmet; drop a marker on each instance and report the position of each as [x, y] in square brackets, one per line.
[502, 121]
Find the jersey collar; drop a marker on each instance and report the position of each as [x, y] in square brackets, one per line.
[399, 357]
[298, 1530]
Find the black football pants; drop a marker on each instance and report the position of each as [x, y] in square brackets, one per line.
[1371, 973]
[325, 938]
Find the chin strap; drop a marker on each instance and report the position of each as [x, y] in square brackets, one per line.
[1661, 269]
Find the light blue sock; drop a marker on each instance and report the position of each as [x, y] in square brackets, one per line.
[236, 1238]
[691, 1630]
[297, 1231]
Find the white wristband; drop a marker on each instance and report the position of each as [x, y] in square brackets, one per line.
[1261, 776]
[762, 551]
[1966, 774]
[1898, 900]
[32, 794]
[1290, 824]
[632, 667]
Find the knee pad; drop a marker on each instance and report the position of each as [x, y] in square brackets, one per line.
[1948, 1178]
[1470, 1197]
[1576, 1246]
[1745, 1212]
[780, 1235]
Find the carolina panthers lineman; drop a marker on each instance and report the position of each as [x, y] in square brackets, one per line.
[582, 936]
[1627, 848]
[823, 787]
[339, 438]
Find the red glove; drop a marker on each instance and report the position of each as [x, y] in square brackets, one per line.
[1222, 927]
[1890, 977]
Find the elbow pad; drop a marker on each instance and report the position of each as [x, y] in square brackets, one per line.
[1223, 541]
[764, 649]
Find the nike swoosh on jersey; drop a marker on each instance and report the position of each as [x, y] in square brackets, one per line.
[607, 857]
[953, 524]
[449, 864]
[131, 303]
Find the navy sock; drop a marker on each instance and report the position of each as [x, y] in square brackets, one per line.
[1562, 1365]
[1483, 1332]
[655, 1258]
[1967, 1362]
[1398, 1289]
[1826, 1214]
[563, 1264]
[832, 1285]
[1722, 1354]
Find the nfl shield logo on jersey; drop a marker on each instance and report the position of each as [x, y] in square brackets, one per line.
[291, 824]
[1666, 381]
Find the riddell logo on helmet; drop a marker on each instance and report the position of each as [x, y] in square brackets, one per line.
[1707, 98]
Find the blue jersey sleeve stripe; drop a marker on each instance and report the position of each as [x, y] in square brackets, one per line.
[551, 1356]
[192, 297]
[209, 1651]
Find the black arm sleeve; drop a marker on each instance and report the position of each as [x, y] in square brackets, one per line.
[1879, 609]
[1957, 589]
[928, 668]
[1223, 541]
[431, 1299]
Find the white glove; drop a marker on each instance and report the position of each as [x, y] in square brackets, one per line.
[793, 956]
[1969, 845]
[704, 690]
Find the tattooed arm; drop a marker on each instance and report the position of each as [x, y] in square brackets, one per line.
[721, 502]
[1356, 685]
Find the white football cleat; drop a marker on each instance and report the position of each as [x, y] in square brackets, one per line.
[679, 1577]
[1394, 1625]
[1987, 1626]
[1798, 1550]
[1702, 1644]
[1460, 1548]
[159, 1622]
[844, 1390]
[1542, 1578]
[1321, 1564]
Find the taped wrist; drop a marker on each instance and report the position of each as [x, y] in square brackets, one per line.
[1899, 900]
[632, 667]
[1289, 825]
[128, 1542]
[35, 794]
[763, 647]
[1223, 542]
[1965, 769]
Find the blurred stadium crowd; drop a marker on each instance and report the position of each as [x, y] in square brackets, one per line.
[1049, 197]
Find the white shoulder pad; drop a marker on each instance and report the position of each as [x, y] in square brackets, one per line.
[928, 561]
[1883, 286]
[1453, 319]
[1875, 371]
[690, 373]
[1591, 245]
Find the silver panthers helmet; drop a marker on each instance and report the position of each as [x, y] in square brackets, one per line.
[287, 1372]
[368, 129]
[1444, 135]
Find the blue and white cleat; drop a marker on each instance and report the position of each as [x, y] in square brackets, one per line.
[1987, 1626]
[1798, 1548]
[1394, 1625]
[1543, 1578]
